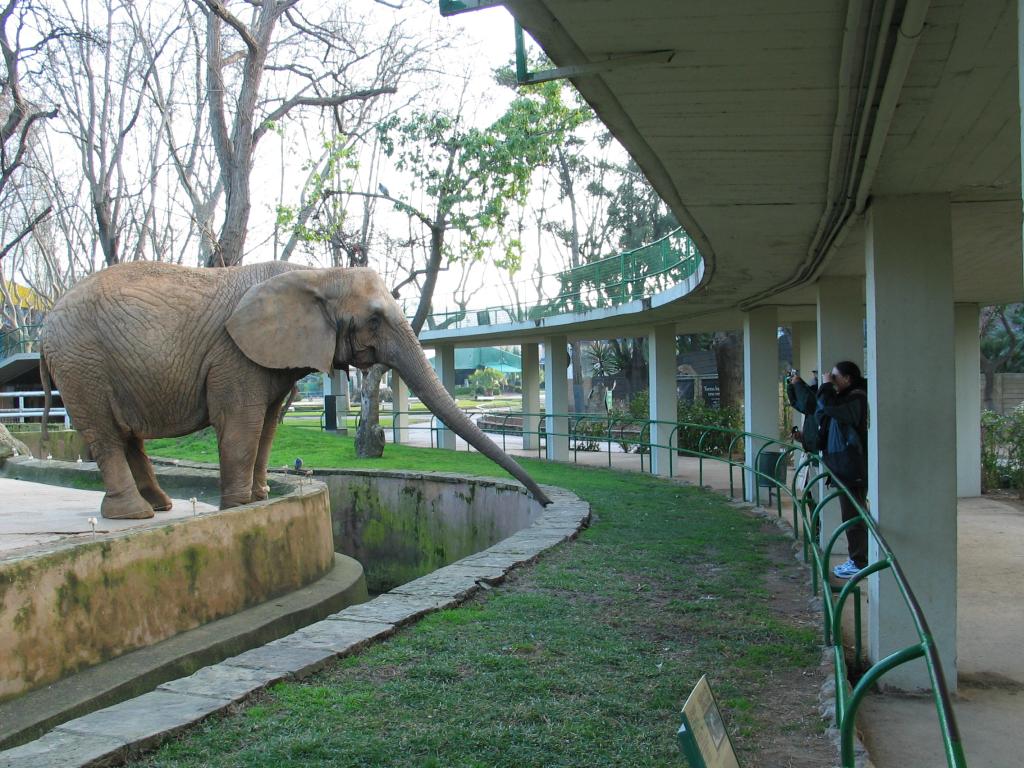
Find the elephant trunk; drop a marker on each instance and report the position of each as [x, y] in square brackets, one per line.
[412, 366]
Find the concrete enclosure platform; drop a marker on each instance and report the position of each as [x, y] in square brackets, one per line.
[34, 514]
[69, 601]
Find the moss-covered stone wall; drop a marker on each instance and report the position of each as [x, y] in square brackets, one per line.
[65, 444]
[402, 525]
[78, 604]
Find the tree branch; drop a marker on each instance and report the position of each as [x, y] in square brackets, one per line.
[25, 232]
[400, 204]
[317, 101]
[218, 8]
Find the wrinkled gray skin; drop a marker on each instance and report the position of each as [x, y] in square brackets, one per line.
[146, 350]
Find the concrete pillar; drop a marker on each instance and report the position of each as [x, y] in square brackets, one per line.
[446, 372]
[663, 397]
[531, 395]
[336, 384]
[805, 360]
[556, 397]
[761, 380]
[968, 400]
[805, 348]
[912, 439]
[400, 409]
[840, 337]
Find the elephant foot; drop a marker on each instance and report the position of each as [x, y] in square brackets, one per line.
[157, 499]
[227, 502]
[127, 505]
[260, 492]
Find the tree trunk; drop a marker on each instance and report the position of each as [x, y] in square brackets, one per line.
[369, 434]
[989, 369]
[578, 400]
[728, 346]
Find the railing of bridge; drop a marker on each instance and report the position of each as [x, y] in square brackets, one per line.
[629, 276]
[15, 341]
[722, 444]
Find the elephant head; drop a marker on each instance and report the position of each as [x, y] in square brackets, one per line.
[333, 318]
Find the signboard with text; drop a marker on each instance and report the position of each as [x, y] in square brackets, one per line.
[703, 739]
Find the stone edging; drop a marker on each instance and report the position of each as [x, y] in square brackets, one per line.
[112, 735]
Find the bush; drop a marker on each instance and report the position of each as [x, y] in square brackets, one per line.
[486, 381]
[587, 434]
[715, 443]
[1002, 450]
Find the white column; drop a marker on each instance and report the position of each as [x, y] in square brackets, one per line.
[663, 397]
[531, 394]
[805, 360]
[805, 355]
[912, 439]
[446, 372]
[840, 337]
[968, 400]
[761, 380]
[400, 409]
[556, 397]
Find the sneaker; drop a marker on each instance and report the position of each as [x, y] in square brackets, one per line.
[846, 571]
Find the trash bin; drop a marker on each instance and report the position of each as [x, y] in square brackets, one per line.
[766, 467]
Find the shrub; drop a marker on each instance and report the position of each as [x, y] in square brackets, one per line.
[486, 381]
[715, 443]
[1002, 450]
[587, 434]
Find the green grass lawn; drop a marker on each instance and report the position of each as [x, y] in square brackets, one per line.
[583, 659]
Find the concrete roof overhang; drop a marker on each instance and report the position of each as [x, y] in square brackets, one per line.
[773, 124]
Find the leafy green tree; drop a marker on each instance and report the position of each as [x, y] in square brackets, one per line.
[470, 180]
[1001, 348]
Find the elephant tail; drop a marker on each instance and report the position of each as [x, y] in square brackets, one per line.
[44, 375]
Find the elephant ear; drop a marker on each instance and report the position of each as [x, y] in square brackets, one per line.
[283, 322]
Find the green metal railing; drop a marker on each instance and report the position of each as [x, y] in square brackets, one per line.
[18, 340]
[725, 445]
[629, 276]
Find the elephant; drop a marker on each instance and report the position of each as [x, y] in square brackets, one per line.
[148, 349]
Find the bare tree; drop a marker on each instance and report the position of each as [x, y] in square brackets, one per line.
[25, 31]
[237, 127]
[20, 20]
[100, 77]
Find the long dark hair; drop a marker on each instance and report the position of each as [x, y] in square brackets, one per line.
[852, 370]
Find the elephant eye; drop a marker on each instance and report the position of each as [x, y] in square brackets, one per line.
[374, 322]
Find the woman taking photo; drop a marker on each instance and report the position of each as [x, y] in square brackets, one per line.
[843, 406]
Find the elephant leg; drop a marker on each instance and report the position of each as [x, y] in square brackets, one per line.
[259, 474]
[145, 478]
[238, 438]
[122, 500]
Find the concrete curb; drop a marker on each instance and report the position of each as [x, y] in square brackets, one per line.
[112, 735]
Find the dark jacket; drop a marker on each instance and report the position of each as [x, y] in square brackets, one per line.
[843, 417]
[803, 397]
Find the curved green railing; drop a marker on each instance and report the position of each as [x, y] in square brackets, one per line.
[19, 340]
[629, 276]
[722, 444]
